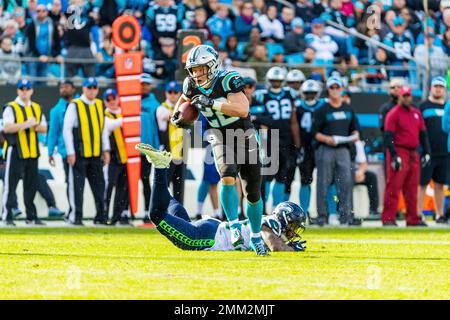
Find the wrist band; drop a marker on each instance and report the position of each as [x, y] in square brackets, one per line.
[217, 105]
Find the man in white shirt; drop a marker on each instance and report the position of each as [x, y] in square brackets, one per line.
[22, 121]
[82, 132]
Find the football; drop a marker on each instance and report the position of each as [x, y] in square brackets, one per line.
[189, 114]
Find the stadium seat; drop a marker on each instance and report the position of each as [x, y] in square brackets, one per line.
[273, 48]
[295, 58]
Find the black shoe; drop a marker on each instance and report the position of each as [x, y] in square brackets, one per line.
[441, 219]
[103, 222]
[126, 223]
[322, 221]
[35, 222]
[390, 224]
[419, 224]
[75, 224]
[9, 223]
[355, 222]
[242, 216]
[198, 216]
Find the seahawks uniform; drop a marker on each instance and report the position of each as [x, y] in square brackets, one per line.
[305, 118]
[221, 130]
[278, 107]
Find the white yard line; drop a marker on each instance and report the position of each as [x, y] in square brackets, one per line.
[381, 241]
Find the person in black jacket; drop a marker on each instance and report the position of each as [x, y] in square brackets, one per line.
[43, 42]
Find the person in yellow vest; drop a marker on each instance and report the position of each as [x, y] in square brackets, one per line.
[116, 171]
[22, 121]
[82, 132]
[171, 139]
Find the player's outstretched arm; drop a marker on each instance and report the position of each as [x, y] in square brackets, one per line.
[273, 241]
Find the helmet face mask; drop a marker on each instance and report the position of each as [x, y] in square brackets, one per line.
[275, 79]
[310, 90]
[203, 56]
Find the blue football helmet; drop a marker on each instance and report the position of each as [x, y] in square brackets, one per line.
[292, 219]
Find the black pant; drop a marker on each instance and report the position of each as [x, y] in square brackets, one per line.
[45, 191]
[117, 178]
[92, 169]
[146, 168]
[371, 183]
[176, 175]
[16, 169]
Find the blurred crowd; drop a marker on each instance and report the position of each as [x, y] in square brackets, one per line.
[244, 32]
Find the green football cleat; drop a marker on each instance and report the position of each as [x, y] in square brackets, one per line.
[160, 159]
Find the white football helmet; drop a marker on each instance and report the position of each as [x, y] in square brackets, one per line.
[275, 74]
[310, 86]
[295, 75]
[203, 55]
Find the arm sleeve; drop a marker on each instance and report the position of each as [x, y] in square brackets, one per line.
[70, 121]
[446, 118]
[8, 116]
[43, 121]
[389, 142]
[52, 133]
[161, 115]
[360, 153]
[423, 136]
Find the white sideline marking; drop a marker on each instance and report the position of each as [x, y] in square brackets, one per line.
[377, 241]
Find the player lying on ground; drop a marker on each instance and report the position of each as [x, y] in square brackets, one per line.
[280, 231]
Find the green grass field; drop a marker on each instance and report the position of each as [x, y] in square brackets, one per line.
[108, 263]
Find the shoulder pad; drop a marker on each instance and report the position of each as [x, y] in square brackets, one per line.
[232, 82]
[273, 224]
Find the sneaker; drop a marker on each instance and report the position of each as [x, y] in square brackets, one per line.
[259, 247]
[390, 224]
[55, 212]
[9, 223]
[35, 222]
[355, 222]
[100, 222]
[321, 221]
[236, 236]
[419, 224]
[16, 212]
[160, 159]
[333, 220]
[441, 219]
[75, 224]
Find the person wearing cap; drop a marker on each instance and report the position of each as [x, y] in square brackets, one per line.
[335, 128]
[22, 121]
[323, 45]
[149, 134]
[43, 42]
[438, 168]
[402, 40]
[295, 41]
[82, 132]
[405, 131]
[171, 139]
[116, 171]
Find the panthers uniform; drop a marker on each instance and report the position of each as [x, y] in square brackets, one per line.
[164, 22]
[305, 118]
[278, 107]
[221, 129]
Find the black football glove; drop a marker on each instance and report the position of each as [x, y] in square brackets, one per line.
[202, 102]
[425, 160]
[298, 245]
[176, 120]
[396, 163]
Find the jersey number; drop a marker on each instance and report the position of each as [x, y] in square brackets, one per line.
[306, 121]
[279, 109]
[217, 119]
[166, 22]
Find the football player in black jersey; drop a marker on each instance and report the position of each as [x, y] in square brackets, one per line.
[219, 96]
[278, 104]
